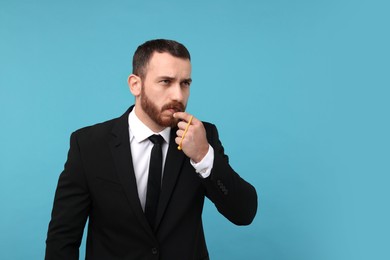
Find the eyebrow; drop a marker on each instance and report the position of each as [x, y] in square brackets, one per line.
[172, 78]
[189, 80]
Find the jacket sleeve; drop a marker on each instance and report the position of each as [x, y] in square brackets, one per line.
[234, 198]
[70, 209]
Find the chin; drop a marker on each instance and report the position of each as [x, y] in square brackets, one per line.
[171, 122]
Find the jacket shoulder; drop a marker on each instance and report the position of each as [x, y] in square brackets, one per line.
[96, 129]
[97, 132]
[103, 129]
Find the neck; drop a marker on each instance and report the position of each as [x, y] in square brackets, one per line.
[140, 113]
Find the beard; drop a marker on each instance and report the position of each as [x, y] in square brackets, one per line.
[156, 114]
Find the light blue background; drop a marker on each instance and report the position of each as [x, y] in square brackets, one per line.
[298, 89]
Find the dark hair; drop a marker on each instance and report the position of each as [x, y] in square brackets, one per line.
[145, 51]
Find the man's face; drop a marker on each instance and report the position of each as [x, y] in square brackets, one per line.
[165, 89]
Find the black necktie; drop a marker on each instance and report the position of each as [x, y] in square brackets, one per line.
[154, 179]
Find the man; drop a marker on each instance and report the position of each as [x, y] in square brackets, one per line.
[108, 180]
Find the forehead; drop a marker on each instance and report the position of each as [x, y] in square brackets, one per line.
[165, 63]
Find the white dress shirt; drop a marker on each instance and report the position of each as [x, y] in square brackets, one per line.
[141, 148]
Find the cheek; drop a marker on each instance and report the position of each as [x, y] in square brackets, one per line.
[154, 94]
[186, 94]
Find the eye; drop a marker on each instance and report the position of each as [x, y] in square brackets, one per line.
[186, 83]
[165, 81]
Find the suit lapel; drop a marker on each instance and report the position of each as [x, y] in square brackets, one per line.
[121, 152]
[173, 165]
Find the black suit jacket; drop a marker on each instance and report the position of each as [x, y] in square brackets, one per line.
[98, 184]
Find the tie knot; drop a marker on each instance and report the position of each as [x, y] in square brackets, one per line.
[156, 139]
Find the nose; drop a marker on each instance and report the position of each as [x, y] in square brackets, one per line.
[177, 93]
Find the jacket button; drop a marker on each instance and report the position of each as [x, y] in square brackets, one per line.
[154, 251]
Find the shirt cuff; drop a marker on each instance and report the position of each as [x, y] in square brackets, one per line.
[203, 168]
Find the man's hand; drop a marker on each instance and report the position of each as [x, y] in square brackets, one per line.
[194, 144]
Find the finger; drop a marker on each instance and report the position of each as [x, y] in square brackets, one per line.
[179, 133]
[177, 140]
[182, 125]
[184, 134]
[182, 116]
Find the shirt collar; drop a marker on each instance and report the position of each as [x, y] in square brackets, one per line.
[139, 131]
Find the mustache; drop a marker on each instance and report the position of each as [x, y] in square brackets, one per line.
[175, 105]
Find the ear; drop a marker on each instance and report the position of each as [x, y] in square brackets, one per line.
[135, 84]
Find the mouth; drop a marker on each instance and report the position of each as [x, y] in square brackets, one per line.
[170, 111]
[173, 108]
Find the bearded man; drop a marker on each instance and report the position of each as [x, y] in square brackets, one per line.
[141, 179]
